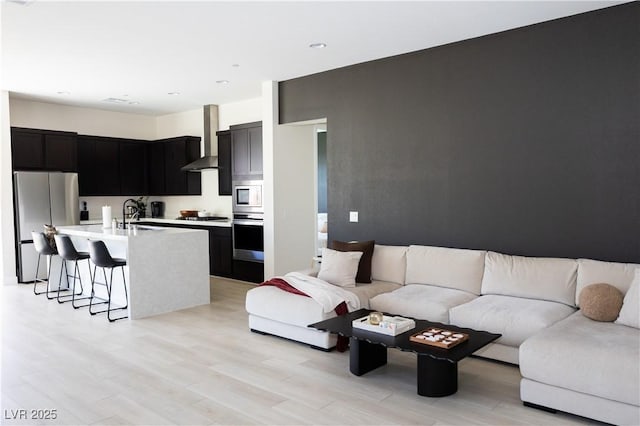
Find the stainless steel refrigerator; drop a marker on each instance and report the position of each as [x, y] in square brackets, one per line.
[41, 198]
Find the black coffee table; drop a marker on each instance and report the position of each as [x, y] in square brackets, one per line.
[437, 368]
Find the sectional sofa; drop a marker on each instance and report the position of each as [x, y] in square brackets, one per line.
[568, 362]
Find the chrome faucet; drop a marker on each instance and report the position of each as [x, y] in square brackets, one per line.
[124, 217]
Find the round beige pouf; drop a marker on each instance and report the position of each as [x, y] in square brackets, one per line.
[601, 302]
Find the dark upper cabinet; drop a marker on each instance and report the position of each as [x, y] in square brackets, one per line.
[255, 151]
[178, 152]
[98, 166]
[246, 151]
[60, 152]
[224, 162]
[194, 179]
[49, 150]
[27, 150]
[134, 176]
[156, 168]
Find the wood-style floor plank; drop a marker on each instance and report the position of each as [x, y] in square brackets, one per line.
[202, 366]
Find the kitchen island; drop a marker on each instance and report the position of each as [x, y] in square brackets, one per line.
[167, 268]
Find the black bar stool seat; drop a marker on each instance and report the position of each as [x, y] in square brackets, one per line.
[101, 257]
[68, 252]
[43, 248]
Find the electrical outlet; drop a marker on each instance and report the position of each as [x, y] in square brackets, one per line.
[353, 216]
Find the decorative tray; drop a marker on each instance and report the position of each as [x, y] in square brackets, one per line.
[391, 326]
[439, 337]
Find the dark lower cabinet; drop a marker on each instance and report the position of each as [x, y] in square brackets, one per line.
[248, 271]
[220, 252]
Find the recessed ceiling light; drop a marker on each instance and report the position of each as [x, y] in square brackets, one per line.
[173, 93]
[115, 100]
[317, 45]
[222, 81]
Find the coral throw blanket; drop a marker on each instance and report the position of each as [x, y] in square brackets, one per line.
[343, 342]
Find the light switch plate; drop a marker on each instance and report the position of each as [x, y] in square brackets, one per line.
[353, 216]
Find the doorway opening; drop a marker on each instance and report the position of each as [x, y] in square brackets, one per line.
[321, 188]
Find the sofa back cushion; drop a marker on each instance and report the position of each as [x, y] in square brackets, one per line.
[540, 278]
[619, 275]
[445, 267]
[389, 263]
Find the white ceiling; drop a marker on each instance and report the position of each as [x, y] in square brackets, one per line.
[141, 51]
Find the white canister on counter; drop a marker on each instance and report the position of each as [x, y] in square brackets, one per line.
[106, 216]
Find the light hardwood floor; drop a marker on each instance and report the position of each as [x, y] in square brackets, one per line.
[204, 366]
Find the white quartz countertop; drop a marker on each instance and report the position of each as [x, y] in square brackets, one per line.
[219, 223]
[98, 232]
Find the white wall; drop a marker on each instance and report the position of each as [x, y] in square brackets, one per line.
[41, 115]
[295, 197]
[7, 244]
[240, 112]
[289, 154]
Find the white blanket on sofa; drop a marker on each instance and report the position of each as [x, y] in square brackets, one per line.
[327, 295]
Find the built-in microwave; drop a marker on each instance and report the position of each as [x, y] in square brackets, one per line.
[247, 196]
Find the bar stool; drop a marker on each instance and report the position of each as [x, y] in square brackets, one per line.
[44, 249]
[101, 257]
[68, 253]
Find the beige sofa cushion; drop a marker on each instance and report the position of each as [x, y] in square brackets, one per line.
[421, 302]
[445, 267]
[619, 275]
[515, 318]
[591, 357]
[389, 263]
[551, 279]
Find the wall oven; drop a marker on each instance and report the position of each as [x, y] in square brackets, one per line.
[247, 196]
[248, 237]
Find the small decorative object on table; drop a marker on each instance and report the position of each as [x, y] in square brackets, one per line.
[375, 318]
[391, 326]
[439, 337]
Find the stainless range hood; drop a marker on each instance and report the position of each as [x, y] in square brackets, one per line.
[208, 161]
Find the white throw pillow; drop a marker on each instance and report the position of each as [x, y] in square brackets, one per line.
[389, 263]
[630, 312]
[339, 267]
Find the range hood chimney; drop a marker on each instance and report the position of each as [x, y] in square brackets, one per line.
[208, 161]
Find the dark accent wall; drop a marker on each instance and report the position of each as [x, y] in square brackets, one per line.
[524, 142]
